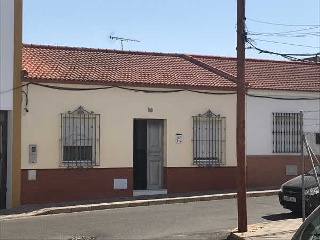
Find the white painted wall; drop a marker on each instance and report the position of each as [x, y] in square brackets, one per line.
[259, 117]
[6, 53]
[118, 109]
[6, 79]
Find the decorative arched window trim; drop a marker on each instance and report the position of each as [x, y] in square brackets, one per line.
[80, 138]
[209, 139]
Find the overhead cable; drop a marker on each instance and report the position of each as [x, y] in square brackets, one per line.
[283, 24]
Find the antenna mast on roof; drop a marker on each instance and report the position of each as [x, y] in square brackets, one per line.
[123, 40]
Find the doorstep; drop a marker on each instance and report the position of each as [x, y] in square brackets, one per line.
[149, 192]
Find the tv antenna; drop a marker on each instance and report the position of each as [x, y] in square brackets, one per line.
[123, 40]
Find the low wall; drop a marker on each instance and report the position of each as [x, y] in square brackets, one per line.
[62, 185]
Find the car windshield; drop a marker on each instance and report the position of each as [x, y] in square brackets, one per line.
[310, 229]
[311, 172]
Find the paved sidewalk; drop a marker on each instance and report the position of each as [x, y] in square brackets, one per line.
[45, 209]
[282, 229]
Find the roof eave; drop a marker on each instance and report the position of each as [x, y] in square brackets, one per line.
[119, 83]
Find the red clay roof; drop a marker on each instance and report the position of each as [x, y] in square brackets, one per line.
[270, 74]
[68, 64]
[114, 67]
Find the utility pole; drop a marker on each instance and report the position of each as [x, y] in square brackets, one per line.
[241, 119]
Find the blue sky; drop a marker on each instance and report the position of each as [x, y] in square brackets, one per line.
[183, 26]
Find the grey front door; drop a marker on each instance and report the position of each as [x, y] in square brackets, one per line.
[154, 154]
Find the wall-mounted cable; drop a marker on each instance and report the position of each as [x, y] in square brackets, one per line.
[26, 99]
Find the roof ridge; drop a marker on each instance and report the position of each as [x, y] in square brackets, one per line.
[209, 68]
[44, 46]
[59, 47]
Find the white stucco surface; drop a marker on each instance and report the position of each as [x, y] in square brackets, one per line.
[6, 80]
[118, 109]
[259, 116]
[6, 53]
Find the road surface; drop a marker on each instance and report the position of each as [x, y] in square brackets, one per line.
[197, 220]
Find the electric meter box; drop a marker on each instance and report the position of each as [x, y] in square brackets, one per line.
[33, 152]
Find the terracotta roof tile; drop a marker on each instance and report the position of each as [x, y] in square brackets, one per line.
[67, 64]
[271, 74]
[114, 67]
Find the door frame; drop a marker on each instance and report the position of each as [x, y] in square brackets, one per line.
[4, 158]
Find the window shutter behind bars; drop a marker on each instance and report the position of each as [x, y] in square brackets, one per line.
[80, 138]
[209, 139]
[286, 132]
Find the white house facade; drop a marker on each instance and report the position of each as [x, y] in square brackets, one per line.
[86, 137]
[99, 123]
[273, 133]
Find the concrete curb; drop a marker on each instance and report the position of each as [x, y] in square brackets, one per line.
[234, 236]
[281, 229]
[135, 203]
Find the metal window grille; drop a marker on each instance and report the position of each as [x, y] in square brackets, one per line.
[286, 133]
[80, 138]
[209, 139]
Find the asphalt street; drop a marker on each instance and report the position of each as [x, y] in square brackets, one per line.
[196, 220]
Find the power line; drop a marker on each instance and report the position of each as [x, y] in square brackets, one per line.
[283, 98]
[160, 91]
[289, 56]
[283, 24]
[128, 89]
[284, 43]
[298, 30]
[302, 35]
[11, 89]
[287, 33]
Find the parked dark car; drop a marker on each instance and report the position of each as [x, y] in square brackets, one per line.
[290, 194]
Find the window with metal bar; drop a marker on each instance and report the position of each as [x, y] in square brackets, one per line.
[80, 138]
[209, 139]
[286, 133]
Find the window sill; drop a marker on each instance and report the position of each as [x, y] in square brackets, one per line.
[206, 164]
[288, 153]
[78, 165]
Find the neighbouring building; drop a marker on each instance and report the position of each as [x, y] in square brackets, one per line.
[277, 92]
[10, 101]
[100, 123]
